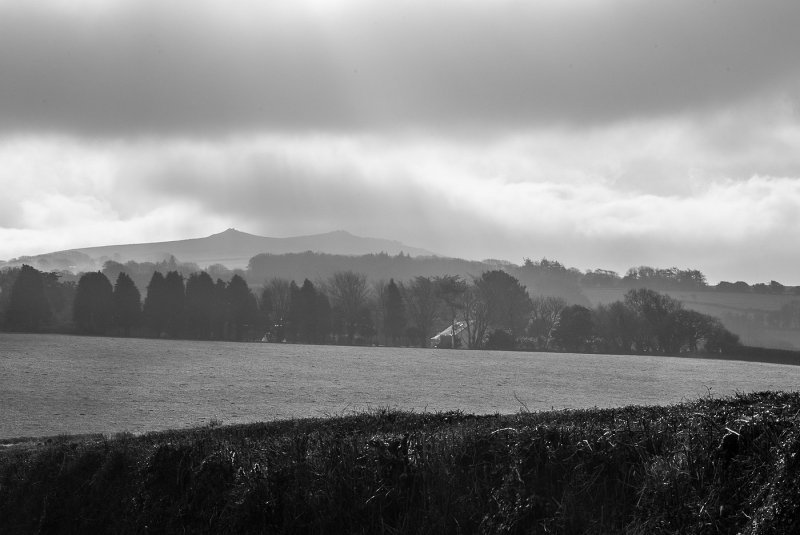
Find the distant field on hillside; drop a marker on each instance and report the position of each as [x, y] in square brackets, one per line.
[51, 384]
[709, 299]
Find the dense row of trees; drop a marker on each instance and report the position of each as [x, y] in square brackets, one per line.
[177, 307]
[196, 307]
[32, 301]
[644, 322]
[542, 277]
[493, 310]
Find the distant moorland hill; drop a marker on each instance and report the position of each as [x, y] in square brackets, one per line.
[231, 248]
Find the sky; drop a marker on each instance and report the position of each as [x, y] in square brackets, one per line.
[603, 134]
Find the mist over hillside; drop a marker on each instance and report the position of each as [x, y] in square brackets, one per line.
[401, 267]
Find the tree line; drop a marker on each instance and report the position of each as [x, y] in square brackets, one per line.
[644, 322]
[541, 277]
[491, 311]
[676, 279]
[174, 306]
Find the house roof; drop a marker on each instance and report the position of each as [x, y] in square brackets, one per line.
[459, 325]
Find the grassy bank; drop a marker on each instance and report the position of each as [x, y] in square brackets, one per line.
[709, 466]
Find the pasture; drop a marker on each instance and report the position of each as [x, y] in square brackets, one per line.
[53, 384]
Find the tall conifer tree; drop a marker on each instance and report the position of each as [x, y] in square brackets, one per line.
[200, 304]
[28, 307]
[243, 307]
[175, 301]
[127, 304]
[395, 321]
[306, 312]
[93, 306]
[155, 308]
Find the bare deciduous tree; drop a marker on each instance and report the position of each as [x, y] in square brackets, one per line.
[544, 317]
[422, 306]
[280, 297]
[475, 316]
[349, 292]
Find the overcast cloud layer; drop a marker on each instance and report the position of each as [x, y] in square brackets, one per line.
[603, 134]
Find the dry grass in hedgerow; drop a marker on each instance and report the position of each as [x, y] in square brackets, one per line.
[709, 466]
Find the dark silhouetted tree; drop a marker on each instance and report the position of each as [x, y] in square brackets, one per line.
[719, 340]
[266, 307]
[616, 326]
[94, 304]
[500, 339]
[649, 322]
[7, 279]
[174, 303]
[656, 313]
[243, 311]
[395, 315]
[292, 321]
[155, 304]
[311, 313]
[112, 269]
[304, 308]
[200, 305]
[278, 294]
[378, 306]
[349, 294]
[28, 308]
[365, 327]
[127, 304]
[574, 329]
[507, 303]
[220, 316]
[323, 318]
[423, 308]
[61, 296]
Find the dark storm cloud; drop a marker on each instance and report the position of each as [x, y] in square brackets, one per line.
[185, 68]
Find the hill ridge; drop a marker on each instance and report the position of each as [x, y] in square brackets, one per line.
[231, 247]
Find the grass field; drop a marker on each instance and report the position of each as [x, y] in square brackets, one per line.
[51, 384]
